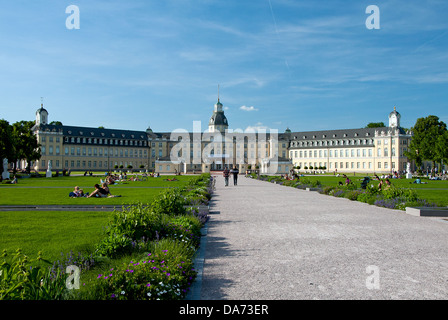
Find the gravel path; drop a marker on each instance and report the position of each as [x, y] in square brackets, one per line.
[266, 241]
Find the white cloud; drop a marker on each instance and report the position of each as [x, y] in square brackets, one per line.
[257, 127]
[249, 109]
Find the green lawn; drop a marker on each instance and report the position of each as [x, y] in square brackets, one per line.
[434, 191]
[54, 191]
[59, 232]
[51, 232]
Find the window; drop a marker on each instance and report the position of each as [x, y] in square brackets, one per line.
[50, 150]
[379, 153]
[379, 165]
[57, 150]
[43, 150]
[66, 151]
[386, 152]
[386, 165]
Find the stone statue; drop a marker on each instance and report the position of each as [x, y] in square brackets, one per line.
[5, 174]
[408, 171]
[49, 174]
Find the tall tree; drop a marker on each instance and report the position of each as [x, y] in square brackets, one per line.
[25, 143]
[6, 142]
[428, 141]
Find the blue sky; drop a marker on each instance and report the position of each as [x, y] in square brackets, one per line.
[307, 65]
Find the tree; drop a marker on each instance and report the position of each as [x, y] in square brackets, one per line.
[6, 142]
[376, 125]
[56, 123]
[25, 144]
[441, 148]
[429, 141]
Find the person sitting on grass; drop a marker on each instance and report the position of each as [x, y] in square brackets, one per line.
[347, 181]
[14, 181]
[98, 192]
[76, 193]
[419, 181]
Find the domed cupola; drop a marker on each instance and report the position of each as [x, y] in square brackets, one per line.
[41, 115]
[394, 119]
[218, 121]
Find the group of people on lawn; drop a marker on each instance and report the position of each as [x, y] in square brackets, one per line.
[102, 191]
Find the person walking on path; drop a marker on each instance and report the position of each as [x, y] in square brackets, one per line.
[226, 174]
[235, 173]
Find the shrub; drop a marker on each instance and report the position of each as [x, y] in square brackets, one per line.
[338, 192]
[352, 194]
[133, 223]
[169, 201]
[366, 198]
[327, 190]
[394, 192]
[183, 228]
[165, 272]
[27, 279]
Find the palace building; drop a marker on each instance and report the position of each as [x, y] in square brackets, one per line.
[353, 150]
[79, 148]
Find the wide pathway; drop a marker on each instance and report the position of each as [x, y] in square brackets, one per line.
[267, 241]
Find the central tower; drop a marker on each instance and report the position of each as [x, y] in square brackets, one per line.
[218, 121]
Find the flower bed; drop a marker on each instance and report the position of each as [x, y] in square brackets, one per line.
[390, 197]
